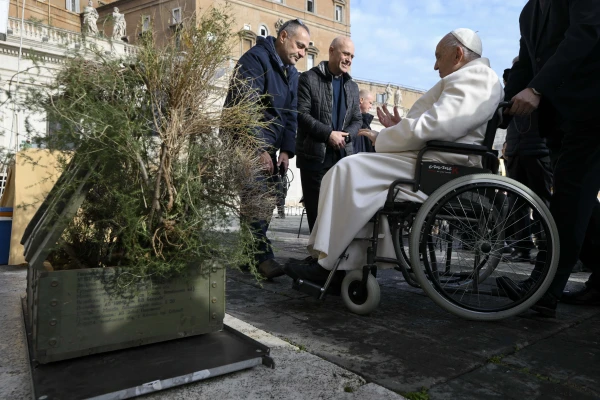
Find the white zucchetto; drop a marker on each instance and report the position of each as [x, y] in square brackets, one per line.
[469, 39]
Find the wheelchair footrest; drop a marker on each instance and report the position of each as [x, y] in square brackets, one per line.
[307, 287]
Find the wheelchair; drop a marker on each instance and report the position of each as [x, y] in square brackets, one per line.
[451, 246]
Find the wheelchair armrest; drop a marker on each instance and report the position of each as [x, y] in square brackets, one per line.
[450, 146]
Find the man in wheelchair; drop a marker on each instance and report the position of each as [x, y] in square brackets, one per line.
[456, 109]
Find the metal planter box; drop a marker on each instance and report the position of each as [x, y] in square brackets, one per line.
[75, 313]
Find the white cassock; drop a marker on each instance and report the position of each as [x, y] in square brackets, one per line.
[456, 109]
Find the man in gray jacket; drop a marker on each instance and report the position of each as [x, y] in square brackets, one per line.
[328, 120]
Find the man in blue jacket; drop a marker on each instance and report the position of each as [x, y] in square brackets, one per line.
[269, 71]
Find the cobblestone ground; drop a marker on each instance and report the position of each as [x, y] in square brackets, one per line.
[413, 347]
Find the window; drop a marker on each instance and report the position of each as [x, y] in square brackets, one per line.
[339, 13]
[310, 61]
[246, 45]
[247, 40]
[73, 6]
[263, 31]
[381, 98]
[145, 23]
[310, 5]
[176, 15]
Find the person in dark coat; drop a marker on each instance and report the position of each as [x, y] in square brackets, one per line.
[528, 162]
[268, 70]
[328, 120]
[362, 144]
[557, 74]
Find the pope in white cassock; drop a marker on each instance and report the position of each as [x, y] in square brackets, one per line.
[456, 109]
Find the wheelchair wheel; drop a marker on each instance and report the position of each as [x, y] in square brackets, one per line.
[360, 303]
[462, 278]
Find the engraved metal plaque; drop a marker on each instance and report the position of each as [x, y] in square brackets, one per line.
[86, 311]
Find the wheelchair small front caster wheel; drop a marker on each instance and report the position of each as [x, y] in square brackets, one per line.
[360, 302]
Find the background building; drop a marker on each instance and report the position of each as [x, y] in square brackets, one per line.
[51, 26]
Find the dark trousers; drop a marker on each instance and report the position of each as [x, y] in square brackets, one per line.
[311, 186]
[574, 203]
[266, 184]
[282, 188]
[534, 172]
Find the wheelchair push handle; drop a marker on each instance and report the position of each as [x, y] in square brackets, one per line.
[505, 104]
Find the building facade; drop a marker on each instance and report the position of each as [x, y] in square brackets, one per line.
[51, 26]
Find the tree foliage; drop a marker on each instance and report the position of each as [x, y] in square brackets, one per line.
[168, 163]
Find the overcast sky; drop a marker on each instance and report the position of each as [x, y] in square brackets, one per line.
[395, 39]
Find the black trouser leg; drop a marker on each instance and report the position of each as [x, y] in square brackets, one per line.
[591, 244]
[311, 185]
[576, 186]
[535, 173]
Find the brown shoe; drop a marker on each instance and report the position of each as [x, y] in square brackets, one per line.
[270, 269]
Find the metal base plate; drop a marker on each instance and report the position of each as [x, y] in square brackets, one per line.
[141, 370]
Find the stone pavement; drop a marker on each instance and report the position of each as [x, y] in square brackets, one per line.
[412, 347]
[298, 375]
[408, 346]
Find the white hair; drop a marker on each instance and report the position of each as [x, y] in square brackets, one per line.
[364, 93]
[451, 41]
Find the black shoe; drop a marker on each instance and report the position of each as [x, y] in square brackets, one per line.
[515, 291]
[507, 250]
[519, 256]
[588, 296]
[307, 260]
[311, 271]
[270, 269]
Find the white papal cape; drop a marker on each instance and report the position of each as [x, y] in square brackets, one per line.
[456, 109]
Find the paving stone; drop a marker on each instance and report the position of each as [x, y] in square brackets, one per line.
[498, 381]
[396, 360]
[571, 356]
[281, 285]
[419, 315]
[247, 295]
[406, 344]
[459, 389]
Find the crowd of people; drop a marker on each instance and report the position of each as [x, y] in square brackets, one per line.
[552, 142]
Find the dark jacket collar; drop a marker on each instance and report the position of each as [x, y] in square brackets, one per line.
[368, 118]
[323, 70]
[268, 44]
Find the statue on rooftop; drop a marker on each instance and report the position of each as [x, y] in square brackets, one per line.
[119, 25]
[90, 18]
[397, 97]
[388, 95]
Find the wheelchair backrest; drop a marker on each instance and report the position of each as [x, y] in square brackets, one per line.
[434, 175]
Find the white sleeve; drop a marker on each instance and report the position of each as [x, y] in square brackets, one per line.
[468, 100]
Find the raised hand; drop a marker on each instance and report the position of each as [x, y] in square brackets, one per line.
[385, 118]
